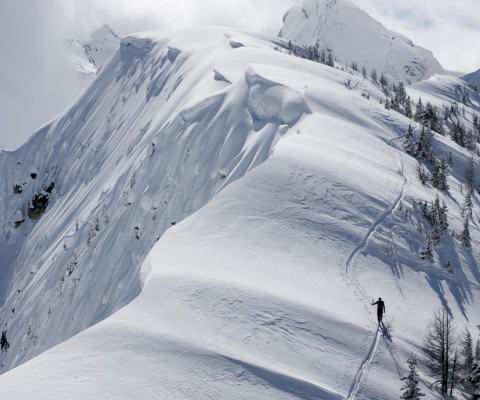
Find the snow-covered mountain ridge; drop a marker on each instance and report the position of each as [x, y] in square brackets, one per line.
[278, 195]
[354, 36]
[88, 58]
[473, 78]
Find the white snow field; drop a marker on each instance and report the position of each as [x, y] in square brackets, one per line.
[353, 35]
[278, 198]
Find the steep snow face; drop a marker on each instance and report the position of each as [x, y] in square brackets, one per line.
[473, 78]
[266, 291]
[165, 125]
[352, 35]
[88, 58]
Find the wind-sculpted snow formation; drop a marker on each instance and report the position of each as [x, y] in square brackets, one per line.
[282, 202]
[352, 35]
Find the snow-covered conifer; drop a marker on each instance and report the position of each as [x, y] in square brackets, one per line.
[419, 110]
[411, 389]
[92, 232]
[466, 355]
[427, 254]
[465, 235]
[467, 204]
[439, 175]
[408, 108]
[423, 146]
[422, 174]
[383, 80]
[470, 174]
[450, 268]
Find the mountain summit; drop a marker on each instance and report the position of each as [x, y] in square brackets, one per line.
[88, 58]
[352, 35]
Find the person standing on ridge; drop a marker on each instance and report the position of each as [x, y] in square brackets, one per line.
[380, 309]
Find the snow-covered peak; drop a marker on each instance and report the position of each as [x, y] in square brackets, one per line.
[353, 35]
[88, 58]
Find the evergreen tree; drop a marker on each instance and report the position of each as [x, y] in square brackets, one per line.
[427, 254]
[450, 268]
[465, 235]
[457, 133]
[466, 356]
[470, 174]
[423, 146]
[408, 108]
[419, 110]
[475, 379]
[422, 174]
[444, 216]
[467, 204]
[437, 220]
[330, 60]
[411, 389]
[383, 81]
[408, 143]
[373, 75]
[439, 175]
[323, 57]
[364, 72]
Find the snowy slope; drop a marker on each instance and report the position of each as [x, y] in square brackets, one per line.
[88, 58]
[147, 144]
[473, 78]
[292, 193]
[352, 35]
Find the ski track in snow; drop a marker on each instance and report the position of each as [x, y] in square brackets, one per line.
[361, 246]
[363, 367]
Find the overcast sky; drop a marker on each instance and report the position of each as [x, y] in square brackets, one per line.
[36, 85]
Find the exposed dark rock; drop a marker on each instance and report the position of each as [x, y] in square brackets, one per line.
[33, 175]
[50, 188]
[18, 223]
[17, 189]
[38, 206]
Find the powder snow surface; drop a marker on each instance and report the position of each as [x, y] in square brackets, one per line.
[352, 35]
[278, 199]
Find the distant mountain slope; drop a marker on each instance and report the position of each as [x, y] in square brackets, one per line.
[353, 35]
[88, 58]
[224, 214]
[473, 78]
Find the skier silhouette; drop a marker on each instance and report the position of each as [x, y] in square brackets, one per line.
[3, 342]
[380, 309]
